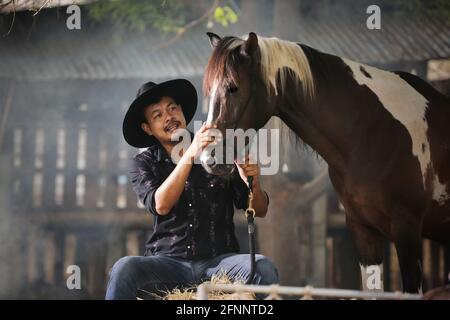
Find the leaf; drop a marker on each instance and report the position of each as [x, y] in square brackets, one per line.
[219, 14]
[230, 14]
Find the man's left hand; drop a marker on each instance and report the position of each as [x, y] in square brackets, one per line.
[247, 169]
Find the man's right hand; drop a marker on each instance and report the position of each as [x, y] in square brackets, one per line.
[201, 140]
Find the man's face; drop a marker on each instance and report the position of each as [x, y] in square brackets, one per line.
[163, 118]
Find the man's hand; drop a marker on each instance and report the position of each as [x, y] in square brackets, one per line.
[247, 169]
[260, 199]
[201, 140]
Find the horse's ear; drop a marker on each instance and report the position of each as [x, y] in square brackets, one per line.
[250, 45]
[213, 39]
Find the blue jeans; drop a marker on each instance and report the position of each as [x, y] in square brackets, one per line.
[161, 273]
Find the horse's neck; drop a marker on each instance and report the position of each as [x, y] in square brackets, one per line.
[321, 122]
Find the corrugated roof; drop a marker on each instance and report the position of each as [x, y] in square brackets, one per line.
[400, 39]
[96, 54]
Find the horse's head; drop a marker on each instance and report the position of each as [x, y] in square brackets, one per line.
[238, 95]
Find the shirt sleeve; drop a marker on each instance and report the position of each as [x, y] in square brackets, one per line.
[144, 182]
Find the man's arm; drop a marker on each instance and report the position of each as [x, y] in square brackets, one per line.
[170, 190]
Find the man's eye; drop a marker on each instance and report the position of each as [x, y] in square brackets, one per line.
[232, 88]
[157, 115]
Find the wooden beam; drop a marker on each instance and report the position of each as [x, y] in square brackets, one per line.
[97, 219]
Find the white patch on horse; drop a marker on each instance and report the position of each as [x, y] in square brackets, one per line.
[403, 102]
[439, 191]
[212, 100]
[372, 277]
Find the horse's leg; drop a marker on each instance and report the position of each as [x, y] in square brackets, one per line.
[369, 247]
[406, 235]
[447, 263]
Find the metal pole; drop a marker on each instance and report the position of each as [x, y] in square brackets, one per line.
[205, 288]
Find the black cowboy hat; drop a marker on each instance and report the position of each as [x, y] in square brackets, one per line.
[181, 90]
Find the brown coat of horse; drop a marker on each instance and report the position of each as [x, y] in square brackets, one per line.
[385, 136]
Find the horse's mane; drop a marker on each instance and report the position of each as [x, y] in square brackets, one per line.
[283, 57]
[278, 58]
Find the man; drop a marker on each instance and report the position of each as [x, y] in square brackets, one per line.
[194, 236]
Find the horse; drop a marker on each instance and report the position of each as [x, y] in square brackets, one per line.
[384, 135]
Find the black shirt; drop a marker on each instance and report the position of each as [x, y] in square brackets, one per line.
[200, 225]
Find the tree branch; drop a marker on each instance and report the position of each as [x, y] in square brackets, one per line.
[189, 26]
[39, 10]
[13, 18]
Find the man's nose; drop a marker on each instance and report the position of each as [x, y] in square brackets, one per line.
[169, 119]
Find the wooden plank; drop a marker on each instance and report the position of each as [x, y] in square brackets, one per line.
[70, 170]
[394, 269]
[32, 255]
[81, 218]
[70, 249]
[319, 228]
[437, 274]
[95, 266]
[132, 243]
[49, 257]
[330, 266]
[111, 172]
[115, 249]
[102, 162]
[122, 179]
[427, 267]
[25, 200]
[92, 168]
[132, 200]
[49, 169]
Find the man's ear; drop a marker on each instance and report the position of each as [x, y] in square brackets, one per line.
[146, 128]
[213, 39]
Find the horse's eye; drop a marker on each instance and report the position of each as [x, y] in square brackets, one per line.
[231, 88]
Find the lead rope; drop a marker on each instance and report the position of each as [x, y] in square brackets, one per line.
[250, 215]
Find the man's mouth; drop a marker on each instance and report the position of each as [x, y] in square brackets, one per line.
[172, 126]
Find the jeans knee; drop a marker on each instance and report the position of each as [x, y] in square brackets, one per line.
[124, 268]
[267, 271]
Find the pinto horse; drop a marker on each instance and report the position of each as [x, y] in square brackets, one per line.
[385, 136]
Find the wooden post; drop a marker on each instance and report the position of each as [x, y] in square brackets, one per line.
[318, 245]
[49, 257]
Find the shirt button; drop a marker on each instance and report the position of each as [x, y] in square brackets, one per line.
[190, 204]
[188, 247]
[211, 185]
[190, 225]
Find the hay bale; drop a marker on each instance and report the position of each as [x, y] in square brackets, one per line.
[191, 293]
